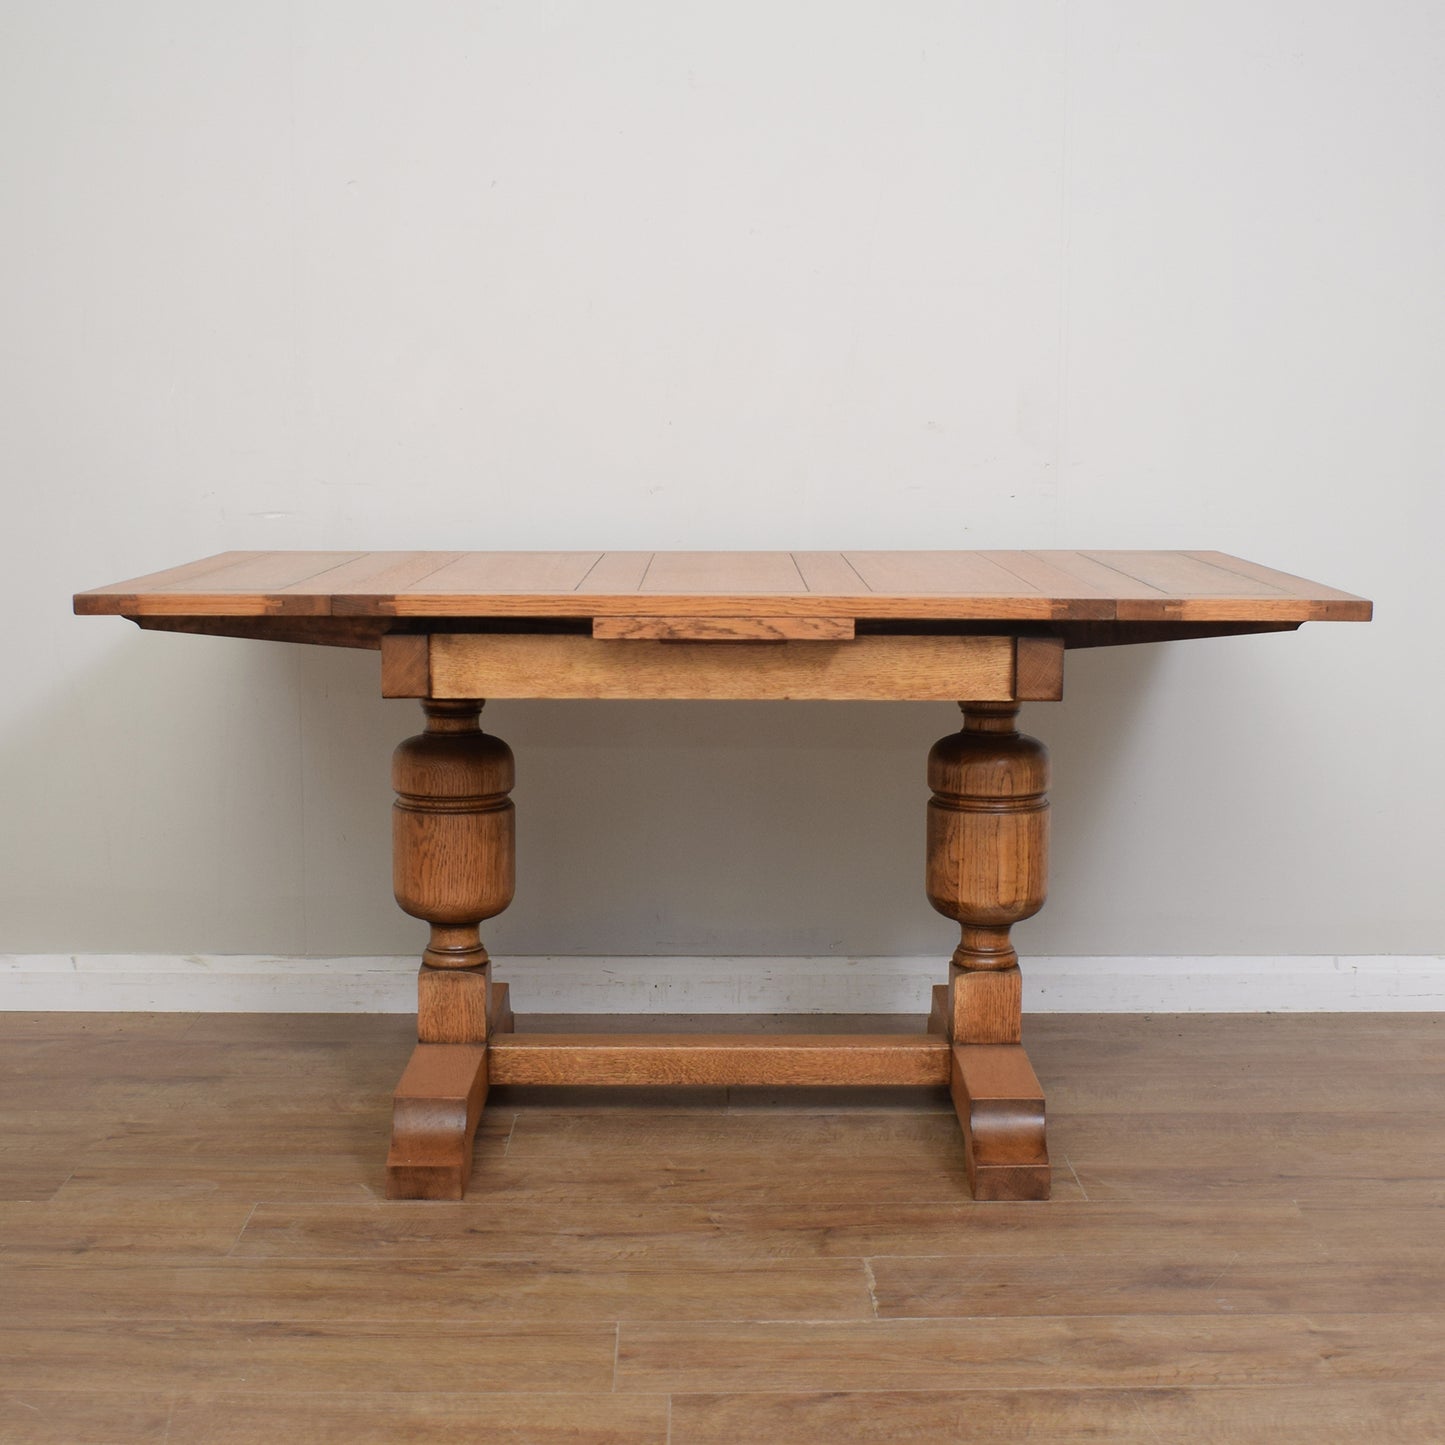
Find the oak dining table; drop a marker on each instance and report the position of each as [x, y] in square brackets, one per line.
[987, 630]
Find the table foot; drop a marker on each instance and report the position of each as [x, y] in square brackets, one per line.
[435, 1112]
[1000, 1105]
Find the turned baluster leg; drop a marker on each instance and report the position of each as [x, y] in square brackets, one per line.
[987, 868]
[453, 866]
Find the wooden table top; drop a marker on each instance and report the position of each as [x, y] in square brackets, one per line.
[1136, 586]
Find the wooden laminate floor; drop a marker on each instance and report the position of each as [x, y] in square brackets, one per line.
[1246, 1243]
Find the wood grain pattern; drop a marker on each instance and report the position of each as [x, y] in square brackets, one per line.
[232, 583]
[1039, 669]
[1094, 578]
[948, 574]
[984, 1006]
[406, 665]
[453, 830]
[615, 572]
[351, 1356]
[726, 629]
[734, 573]
[1041, 586]
[1177, 575]
[729, 1059]
[1332, 1413]
[1087, 587]
[988, 832]
[376, 572]
[500, 573]
[454, 1418]
[745, 1156]
[441, 1291]
[1054, 1283]
[829, 573]
[453, 1004]
[325, 631]
[505, 665]
[273, 572]
[952, 1234]
[124, 1229]
[1267, 576]
[75, 1417]
[1136, 1352]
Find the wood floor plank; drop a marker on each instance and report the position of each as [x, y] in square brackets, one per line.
[436, 1419]
[1226, 1186]
[72, 1229]
[83, 1417]
[143, 1167]
[170, 1178]
[78, 1030]
[132, 1060]
[265, 1359]
[30, 1175]
[711, 1234]
[253, 1101]
[454, 1291]
[1119, 1065]
[1057, 1282]
[360, 1031]
[1305, 1142]
[1408, 1233]
[1333, 1414]
[1260, 1040]
[1133, 1352]
[1216, 1089]
[235, 1139]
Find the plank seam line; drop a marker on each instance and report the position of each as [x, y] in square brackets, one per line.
[1141, 582]
[440, 567]
[1293, 577]
[867, 586]
[290, 587]
[596, 563]
[1189, 597]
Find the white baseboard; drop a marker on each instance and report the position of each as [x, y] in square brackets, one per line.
[244, 983]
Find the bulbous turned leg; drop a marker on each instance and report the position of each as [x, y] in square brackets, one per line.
[987, 868]
[453, 866]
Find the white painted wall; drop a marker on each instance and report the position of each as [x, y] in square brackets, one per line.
[528, 274]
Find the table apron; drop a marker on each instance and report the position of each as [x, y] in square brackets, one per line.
[885, 668]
